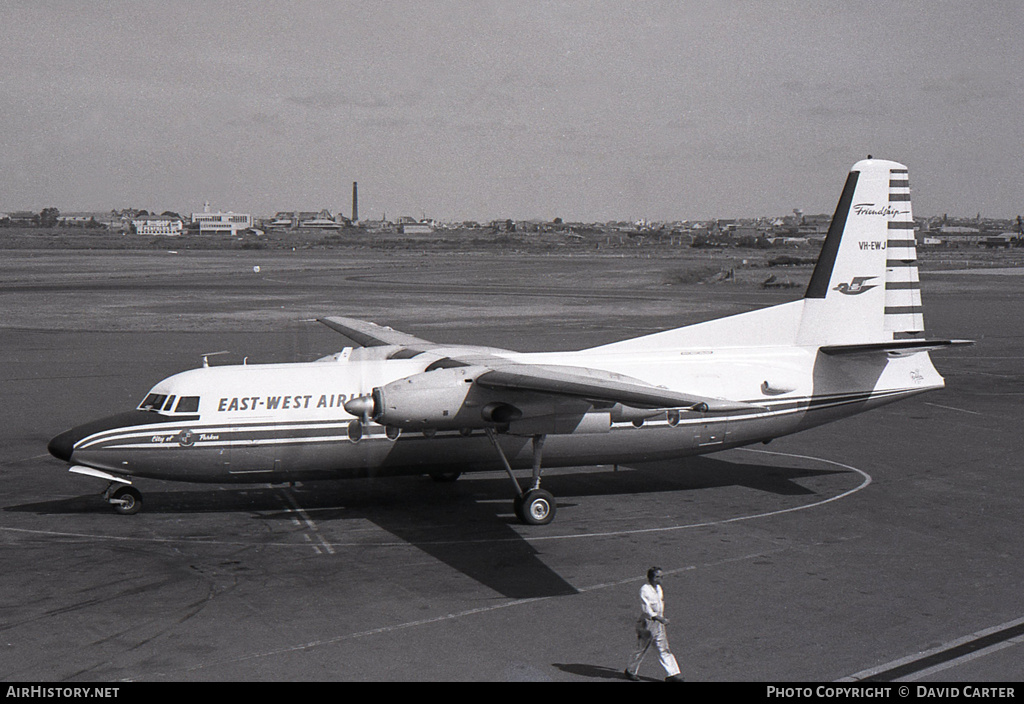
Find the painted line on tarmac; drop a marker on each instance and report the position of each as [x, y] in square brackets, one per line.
[946, 656]
[11, 463]
[290, 498]
[952, 408]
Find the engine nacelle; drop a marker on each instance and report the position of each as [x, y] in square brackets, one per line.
[448, 399]
[439, 399]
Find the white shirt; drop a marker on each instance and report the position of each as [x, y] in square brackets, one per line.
[652, 601]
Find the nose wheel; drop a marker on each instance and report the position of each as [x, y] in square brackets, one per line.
[535, 506]
[124, 499]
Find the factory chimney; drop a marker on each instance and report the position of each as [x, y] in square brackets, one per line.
[355, 202]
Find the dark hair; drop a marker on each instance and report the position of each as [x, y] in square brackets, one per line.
[651, 571]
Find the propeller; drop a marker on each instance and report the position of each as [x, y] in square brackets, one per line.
[362, 407]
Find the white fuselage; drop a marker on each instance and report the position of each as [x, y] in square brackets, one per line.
[283, 422]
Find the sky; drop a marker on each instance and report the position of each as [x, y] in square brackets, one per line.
[525, 109]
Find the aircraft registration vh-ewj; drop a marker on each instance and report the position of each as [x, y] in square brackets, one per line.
[398, 405]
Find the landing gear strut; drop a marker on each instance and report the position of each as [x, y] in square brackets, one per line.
[535, 506]
[125, 499]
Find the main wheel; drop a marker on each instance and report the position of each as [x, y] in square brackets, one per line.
[536, 508]
[126, 500]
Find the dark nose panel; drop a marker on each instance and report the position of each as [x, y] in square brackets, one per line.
[63, 445]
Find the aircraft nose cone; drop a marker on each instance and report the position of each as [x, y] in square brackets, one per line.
[62, 445]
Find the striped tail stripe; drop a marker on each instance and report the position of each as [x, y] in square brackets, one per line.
[904, 316]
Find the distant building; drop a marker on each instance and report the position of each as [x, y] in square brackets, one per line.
[158, 226]
[221, 223]
[417, 228]
[814, 225]
[1005, 240]
[375, 225]
[306, 219]
[23, 218]
[282, 220]
[75, 220]
[322, 220]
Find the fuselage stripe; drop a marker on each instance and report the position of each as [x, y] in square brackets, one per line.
[296, 433]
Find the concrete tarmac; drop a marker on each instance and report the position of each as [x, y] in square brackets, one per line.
[886, 546]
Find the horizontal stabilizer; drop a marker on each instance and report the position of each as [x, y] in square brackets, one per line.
[896, 347]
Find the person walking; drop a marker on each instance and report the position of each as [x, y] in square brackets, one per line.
[650, 629]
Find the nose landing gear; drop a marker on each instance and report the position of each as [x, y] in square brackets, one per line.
[120, 494]
[125, 499]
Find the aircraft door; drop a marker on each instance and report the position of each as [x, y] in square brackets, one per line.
[250, 459]
[711, 432]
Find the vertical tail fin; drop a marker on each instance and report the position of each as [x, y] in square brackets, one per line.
[865, 287]
[864, 291]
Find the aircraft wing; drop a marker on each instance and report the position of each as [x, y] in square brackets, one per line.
[501, 373]
[595, 385]
[369, 334]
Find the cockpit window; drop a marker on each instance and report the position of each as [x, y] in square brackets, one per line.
[165, 403]
[153, 402]
[188, 404]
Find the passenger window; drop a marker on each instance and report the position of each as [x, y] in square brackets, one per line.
[188, 404]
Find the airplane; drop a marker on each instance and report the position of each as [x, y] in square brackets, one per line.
[397, 404]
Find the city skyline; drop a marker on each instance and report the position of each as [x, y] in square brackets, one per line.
[591, 112]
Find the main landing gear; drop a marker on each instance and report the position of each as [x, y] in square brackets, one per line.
[535, 506]
[124, 499]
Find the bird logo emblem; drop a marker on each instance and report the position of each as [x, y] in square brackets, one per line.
[857, 286]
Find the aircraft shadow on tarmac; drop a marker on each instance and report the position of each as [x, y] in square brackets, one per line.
[458, 523]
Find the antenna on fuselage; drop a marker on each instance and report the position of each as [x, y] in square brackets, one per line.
[206, 356]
